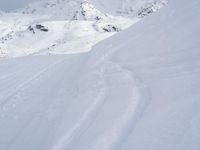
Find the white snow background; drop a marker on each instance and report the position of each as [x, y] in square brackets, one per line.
[139, 89]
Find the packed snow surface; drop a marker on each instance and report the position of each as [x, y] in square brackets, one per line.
[136, 90]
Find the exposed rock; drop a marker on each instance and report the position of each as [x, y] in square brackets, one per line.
[110, 28]
[151, 7]
[38, 27]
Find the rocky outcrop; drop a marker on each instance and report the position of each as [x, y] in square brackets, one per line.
[151, 8]
[38, 27]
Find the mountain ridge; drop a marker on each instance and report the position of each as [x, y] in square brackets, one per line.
[21, 26]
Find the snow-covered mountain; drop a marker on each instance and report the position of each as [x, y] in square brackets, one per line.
[65, 9]
[64, 26]
[131, 8]
[137, 90]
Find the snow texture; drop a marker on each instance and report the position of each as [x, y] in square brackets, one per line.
[136, 90]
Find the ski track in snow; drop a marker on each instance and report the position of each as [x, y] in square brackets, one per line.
[102, 81]
[123, 125]
[20, 100]
[94, 100]
[19, 88]
[120, 129]
[82, 123]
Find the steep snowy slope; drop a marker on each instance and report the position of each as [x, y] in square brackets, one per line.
[161, 56]
[136, 90]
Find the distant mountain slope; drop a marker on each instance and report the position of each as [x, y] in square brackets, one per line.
[49, 27]
[131, 8]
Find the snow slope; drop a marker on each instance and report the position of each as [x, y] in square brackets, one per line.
[162, 53]
[136, 90]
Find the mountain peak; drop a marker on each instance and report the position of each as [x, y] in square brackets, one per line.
[51, 24]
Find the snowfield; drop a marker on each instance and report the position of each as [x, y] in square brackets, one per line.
[138, 89]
